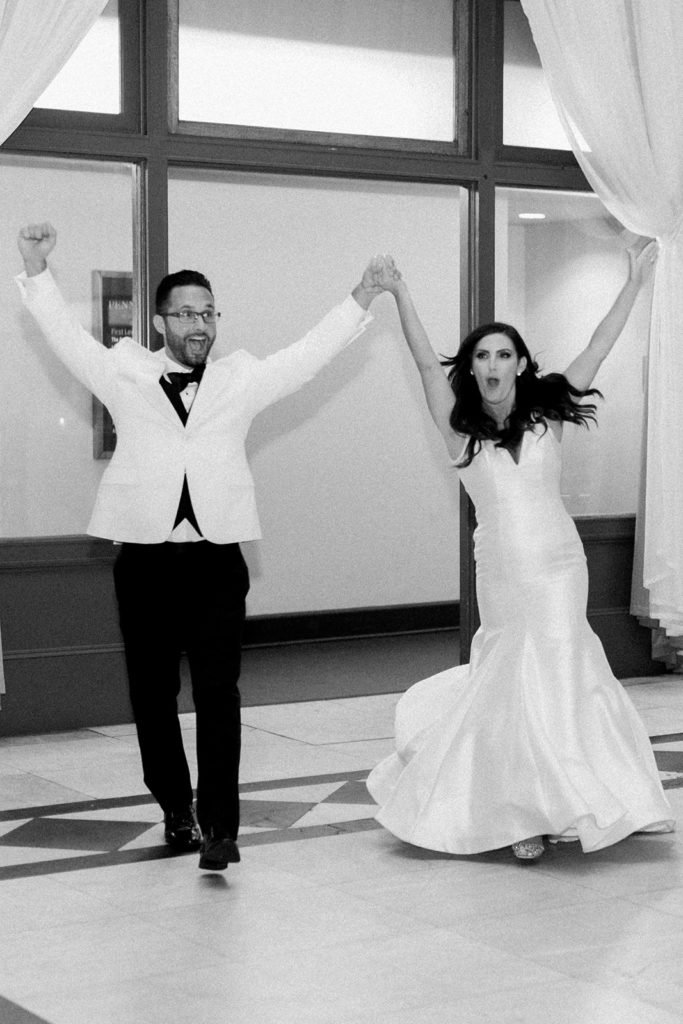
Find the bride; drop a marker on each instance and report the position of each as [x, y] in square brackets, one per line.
[535, 737]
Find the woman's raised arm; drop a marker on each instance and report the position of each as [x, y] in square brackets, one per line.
[437, 390]
[582, 370]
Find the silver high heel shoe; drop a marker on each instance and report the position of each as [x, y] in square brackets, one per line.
[529, 849]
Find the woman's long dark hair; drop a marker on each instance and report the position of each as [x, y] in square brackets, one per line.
[537, 398]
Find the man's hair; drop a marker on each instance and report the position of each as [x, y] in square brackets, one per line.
[180, 279]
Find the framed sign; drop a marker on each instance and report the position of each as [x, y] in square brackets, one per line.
[112, 320]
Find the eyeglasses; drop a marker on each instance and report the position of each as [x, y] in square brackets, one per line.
[190, 316]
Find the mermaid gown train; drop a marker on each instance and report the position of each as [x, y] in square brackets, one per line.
[535, 736]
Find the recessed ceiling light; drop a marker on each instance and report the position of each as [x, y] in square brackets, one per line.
[531, 216]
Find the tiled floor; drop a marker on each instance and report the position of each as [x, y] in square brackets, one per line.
[328, 919]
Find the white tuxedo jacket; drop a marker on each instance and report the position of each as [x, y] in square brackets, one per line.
[140, 490]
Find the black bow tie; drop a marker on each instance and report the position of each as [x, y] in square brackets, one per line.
[181, 380]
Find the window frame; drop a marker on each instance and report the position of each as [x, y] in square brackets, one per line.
[148, 135]
[462, 127]
[130, 78]
[537, 155]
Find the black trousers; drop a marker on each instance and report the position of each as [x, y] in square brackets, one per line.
[174, 598]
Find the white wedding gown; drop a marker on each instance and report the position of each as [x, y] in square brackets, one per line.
[535, 736]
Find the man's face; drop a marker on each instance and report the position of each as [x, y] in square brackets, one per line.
[189, 343]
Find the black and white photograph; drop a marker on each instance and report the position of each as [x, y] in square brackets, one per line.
[341, 531]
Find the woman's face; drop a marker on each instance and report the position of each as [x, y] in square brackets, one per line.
[495, 365]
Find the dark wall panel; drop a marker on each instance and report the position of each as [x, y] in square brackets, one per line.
[608, 542]
[63, 658]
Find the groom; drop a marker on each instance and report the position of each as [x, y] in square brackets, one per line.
[178, 496]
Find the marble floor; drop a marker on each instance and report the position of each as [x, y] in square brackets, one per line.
[328, 919]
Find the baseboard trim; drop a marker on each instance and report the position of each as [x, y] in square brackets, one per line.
[67, 651]
[350, 623]
[299, 628]
[606, 529]
[28, 554]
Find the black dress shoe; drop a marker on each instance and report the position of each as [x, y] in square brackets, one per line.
[181, 831]
[217, 851]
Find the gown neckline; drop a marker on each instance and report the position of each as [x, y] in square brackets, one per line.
[520, 449]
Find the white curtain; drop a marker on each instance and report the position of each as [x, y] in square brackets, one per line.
[615, 71]
[37, 37]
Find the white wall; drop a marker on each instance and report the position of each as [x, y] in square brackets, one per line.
[48, 477]
[561, 278]
[573, 278]
[510, 270]
[358, 504]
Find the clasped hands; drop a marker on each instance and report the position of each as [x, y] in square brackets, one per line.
[381, 274]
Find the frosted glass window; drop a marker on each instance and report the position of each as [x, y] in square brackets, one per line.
[90, 79]
[48, 424]
[383, 68]
[529, 114]
[560, 263]
[351, 474]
